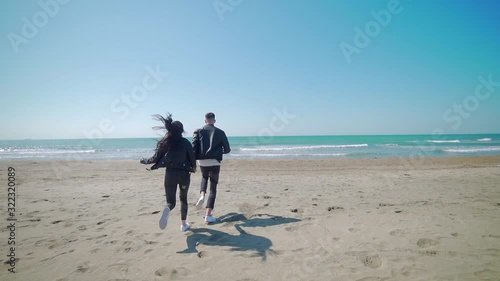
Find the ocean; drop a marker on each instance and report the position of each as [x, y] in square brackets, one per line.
[277, 147]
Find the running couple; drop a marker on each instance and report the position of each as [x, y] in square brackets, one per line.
[178, 156]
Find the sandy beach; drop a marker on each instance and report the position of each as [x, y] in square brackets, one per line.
[338, 219]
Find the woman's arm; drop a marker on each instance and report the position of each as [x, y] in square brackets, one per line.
[191, 156]
[154, 159]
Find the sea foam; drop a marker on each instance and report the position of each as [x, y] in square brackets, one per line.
[282, 148]
[443, 141]
[472, 150]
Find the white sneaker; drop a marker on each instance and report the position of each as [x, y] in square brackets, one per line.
[210, 219]
[164, 218]
[200, 202]
[185, 227]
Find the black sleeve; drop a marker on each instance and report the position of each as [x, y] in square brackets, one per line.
[190, 153]
[154, 158]
[225, 143]
[196, 144]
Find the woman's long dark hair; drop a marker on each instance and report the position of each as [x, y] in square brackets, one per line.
[173, 135]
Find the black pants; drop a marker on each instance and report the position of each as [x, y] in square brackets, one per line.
[174, 178]
[210, 174]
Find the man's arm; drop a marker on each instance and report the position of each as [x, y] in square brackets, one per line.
[225, 144]
[196, 144]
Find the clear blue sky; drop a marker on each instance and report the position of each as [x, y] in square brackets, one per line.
[246, 63]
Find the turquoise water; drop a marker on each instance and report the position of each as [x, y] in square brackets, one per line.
[279, 147]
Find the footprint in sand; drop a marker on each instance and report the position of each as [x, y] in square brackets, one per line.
[491, 236]
[426, 242]
[371, 261]
[247, 209]
[172, 272]
[55, 244]
[60, 254]
[371, 278]
[97, 237]
[397, 232]
[83, 268]
[292, 228]
[385, 205]
[487, 274]
[119, 267]
[430, 253]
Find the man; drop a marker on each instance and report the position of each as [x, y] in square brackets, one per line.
[209, 144]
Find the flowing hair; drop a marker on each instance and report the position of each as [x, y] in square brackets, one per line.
[173, 134]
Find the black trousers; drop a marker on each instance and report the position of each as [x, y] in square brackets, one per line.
[210, 174]
[174, 178]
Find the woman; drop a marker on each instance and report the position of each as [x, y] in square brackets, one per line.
[174, 153]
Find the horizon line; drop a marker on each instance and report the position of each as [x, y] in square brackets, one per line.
[248, 136]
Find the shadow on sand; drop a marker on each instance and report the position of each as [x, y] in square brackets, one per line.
[241, 242]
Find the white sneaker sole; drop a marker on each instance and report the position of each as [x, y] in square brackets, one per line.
[210, 221]
[199, 204]
[185, 228]
[164, 218]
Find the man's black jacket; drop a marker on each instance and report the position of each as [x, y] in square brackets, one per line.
[210, 142]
